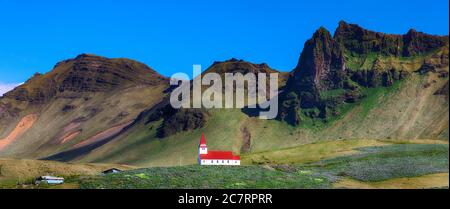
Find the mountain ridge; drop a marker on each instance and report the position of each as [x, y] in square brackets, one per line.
[327, 63]
[95, 109]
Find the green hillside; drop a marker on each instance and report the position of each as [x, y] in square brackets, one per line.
[387, 113]
[424, 165]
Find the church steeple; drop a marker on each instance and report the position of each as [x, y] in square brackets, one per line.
[202, 148]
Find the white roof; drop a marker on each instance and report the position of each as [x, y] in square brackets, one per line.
[51, 178]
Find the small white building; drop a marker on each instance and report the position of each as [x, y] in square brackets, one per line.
[49, 180]
[112, 171]
[206, 157]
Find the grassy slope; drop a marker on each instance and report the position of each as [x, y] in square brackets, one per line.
[402, 165]
[387, 162]
[309, 153]
[107, 108]
[14, 172]
[406, 110]
[141, 147]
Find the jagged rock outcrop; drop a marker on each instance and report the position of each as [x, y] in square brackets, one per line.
[173, 120]
[356, 39]
[321, 67]
[331, 70]
[416, 43]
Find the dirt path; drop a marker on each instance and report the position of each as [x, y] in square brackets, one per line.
[24, 124]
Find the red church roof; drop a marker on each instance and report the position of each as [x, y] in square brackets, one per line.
[220, 155]
[216, 155]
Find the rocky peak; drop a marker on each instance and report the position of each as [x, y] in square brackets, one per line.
[416, 43]
[239, 66]
[93, 73]
[358, 40]
[316, 56]
[320, 60]
[86, 73]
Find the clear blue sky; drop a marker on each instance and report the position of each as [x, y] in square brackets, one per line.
[170, 36]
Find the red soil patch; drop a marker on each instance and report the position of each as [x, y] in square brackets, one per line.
[69, 137]
[103, 135]
[71, 126]
[68, 133]
[23, 125]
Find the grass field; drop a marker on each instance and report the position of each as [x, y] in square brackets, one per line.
[331, 164]
[212, 177]
[20, 173]
[335, 164]
[387, 162]
[310, 152]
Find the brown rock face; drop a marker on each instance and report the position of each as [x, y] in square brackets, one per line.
[416, 43]
[320, 58]
[361, 41]
[38, 89]
[239, 66]
[356, 39]
[319, 67]
[85, 73]
[93, 73]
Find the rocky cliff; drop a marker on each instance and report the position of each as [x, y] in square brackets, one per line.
[333, 69]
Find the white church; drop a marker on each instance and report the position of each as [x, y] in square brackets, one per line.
[206, 157]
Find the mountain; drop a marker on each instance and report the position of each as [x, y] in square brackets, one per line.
[81, 101]
[355, 84]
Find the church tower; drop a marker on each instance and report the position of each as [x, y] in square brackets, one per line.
[202, 148]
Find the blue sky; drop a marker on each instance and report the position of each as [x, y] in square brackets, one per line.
[170, 36]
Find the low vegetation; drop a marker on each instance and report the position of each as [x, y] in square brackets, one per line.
[15, 173]
[438, 180]
[387, 162]
[208, 177]
[309, 153]
[334, 164]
